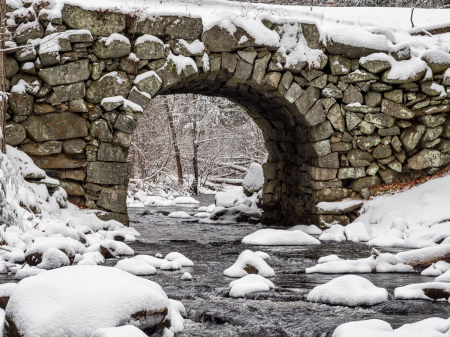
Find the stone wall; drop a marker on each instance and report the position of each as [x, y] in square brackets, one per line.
[333, 128]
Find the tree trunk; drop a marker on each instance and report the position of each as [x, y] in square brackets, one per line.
[195, 157]
[175, 144]
[2, 76]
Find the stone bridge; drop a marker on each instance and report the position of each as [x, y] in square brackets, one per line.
[338, 116]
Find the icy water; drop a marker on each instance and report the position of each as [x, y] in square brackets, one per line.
[284, 312]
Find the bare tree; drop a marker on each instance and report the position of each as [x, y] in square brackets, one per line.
[175, 143]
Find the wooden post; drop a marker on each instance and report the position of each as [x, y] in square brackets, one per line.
[3, 75]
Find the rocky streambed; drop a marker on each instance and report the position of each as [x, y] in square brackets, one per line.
[283, 312]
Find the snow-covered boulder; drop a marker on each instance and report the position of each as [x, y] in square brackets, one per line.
[350, 290]
[240, 213]
[170, 265]
[186, 276]
[69, 246]
[376, 328]
[250, 284]
[111, 248]
[247, 263]
[377, 262]
[136, 267]
[225, 199]
[279, 237]
[53, 258]
[437, 269]
[180, 258]
[179, 215]
[153, 261]
[6, 289]
[253, 180]
[87, 298]
[423, 291]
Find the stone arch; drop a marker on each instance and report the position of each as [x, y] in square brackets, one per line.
[334, 124]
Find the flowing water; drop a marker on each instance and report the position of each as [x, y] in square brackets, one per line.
[283, 312]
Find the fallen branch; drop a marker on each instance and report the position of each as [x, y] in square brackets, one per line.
[229, 181]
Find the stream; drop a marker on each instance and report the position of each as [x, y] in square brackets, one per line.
[283, 312]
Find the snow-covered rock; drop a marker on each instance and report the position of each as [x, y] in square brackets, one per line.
[437, 269]
[186, 276]
[179, 215]
[249, 262]
[279, 237]
[254, 179]
[377, 328]
[136, 267]
[88, 298]
[350, 290]
[377, 262]
[423, 291]
[308, 229]
[250, 284]
[53, 258]
[111, 248]
[153, 261]
[170, 265]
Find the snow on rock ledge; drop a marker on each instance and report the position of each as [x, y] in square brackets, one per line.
[88, 298]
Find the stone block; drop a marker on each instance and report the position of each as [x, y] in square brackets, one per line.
[359, 158]
[65, 74]
[55, 126]
[320, 185]
[318, 173]
[28, 30]
[336, 118]
[101, 131]
[329, 161]
[340, 65]
[112, 84]
[411, 136]
[59, 161]
[98, 23]
[21, 103]
[71, 187]
[425, 159]
[42, 149]
[113, 199]
[108, 173]
[74, 146]
[15, 133]
[321, 131]
[111, 48]
[330, 194]
[111, 153]
[352, 95]
[367, 182]
[125, 124]
[382, 151]
[351, 173]
[68, 92]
